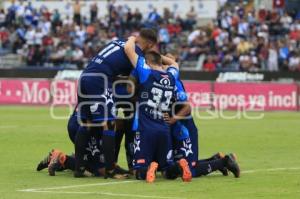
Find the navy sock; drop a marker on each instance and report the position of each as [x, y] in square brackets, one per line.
[206, 167]
[109, 148]
[81, 141]
[70, 163]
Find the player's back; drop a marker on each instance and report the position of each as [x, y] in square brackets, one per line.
[111, 60]
[155, 96]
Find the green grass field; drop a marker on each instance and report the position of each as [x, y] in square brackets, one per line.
[268, 151]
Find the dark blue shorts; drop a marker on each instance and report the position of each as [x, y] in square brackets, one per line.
[152, 142]
[95, 99]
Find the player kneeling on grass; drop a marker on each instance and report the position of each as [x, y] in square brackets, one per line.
[152, 144]
[94, 161]
[184, 134]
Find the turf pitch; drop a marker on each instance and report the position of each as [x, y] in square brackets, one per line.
[268, 150]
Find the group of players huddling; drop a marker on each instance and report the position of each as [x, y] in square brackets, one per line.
[160, 134]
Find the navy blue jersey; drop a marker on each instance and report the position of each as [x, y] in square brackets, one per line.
[112, 60]
[156, 90]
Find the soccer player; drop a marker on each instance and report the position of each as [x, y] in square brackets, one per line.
[57, 160]
[95, 99]
[185, 136]
[153, 149]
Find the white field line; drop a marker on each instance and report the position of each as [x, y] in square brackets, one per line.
[77, 186]
[107, 194]
[55, 190]
[270, 170]
[8, 126]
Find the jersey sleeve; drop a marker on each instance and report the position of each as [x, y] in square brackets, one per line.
[142, 70]
[179, 92]
[181, 95]
[174, 71]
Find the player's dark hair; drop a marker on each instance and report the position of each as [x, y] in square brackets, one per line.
[153, 57]
[149, 34]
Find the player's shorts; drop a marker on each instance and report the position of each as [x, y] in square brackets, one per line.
[95, 99]
[73, 126]
[152, 142]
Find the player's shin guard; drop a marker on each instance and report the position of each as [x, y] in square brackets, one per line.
[109, 149]
[81, 141]
[205, 167]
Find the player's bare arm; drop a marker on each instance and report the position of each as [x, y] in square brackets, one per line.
[181, 114]
[169, 62]
[130, 50]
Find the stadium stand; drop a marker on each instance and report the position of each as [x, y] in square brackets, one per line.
[239, 39]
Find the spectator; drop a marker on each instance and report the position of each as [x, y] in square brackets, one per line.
[77, 12]
[93, 12]
[164, 38]
[77, 57]
[2, 18]
[29, 36]
[191, 18]
[209, 65]
[294, 61]
[273, 58]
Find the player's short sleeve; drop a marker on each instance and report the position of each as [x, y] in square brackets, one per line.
[180, 92]
[142, 69]
[174, 71]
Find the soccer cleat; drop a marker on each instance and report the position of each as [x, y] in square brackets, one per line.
[232, 165]
[120, 170]
[79, 174]
[44, 163]
[57, 160]
[151, 173]
[186, 172]
[217, 156]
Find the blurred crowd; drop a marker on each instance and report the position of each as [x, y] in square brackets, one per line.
[244, 39]
[240, 39]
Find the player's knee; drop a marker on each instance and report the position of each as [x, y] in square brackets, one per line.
[141, 173]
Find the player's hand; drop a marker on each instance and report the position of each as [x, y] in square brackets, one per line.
[169, 120]
[133, 38]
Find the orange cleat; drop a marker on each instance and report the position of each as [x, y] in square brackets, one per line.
[186, 172]
[151, 173]
[57, 160]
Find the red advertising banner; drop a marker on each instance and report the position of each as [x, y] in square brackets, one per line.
[199, 93]
[256, 96]
[39, 92]
[231, 96]
[14, 91]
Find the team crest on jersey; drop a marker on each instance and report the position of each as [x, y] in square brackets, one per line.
[165, 80]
